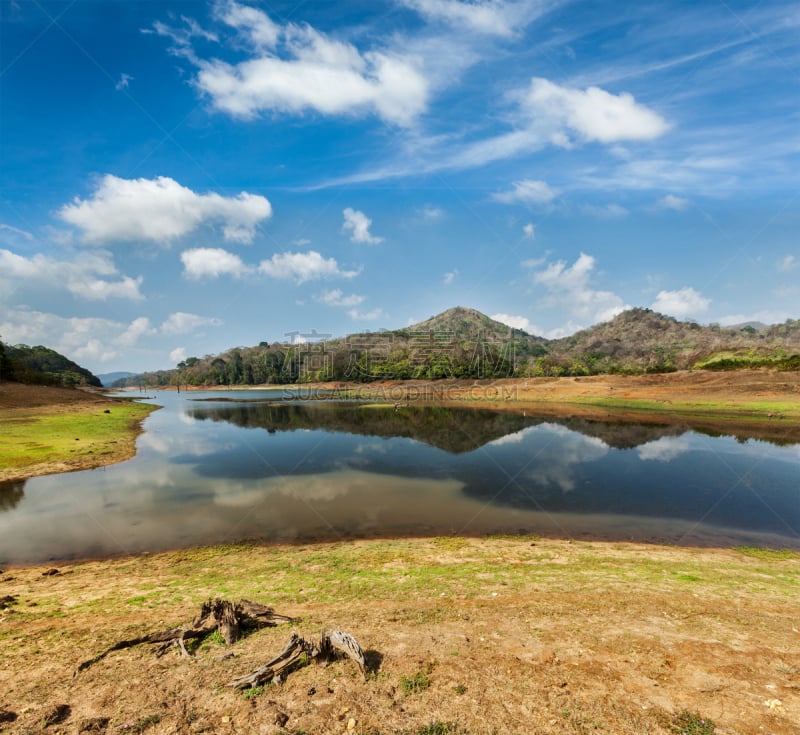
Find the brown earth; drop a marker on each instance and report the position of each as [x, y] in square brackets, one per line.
[551, 637]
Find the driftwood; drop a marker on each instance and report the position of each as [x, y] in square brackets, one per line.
[217, 614]
[331, 643]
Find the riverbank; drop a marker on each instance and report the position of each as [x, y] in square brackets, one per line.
[468, 636]
[45, 430]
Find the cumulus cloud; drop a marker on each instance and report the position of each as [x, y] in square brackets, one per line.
[358, 224]
[788, 263]
[84, 339]
[670, 201]
[569, 288]
[212, 263]
[591, 115]
[336, 297]
[295, 68]
[182, 322]
[302, 267]
[90, 276]
[160, 210]
[527, 191]
[137, 328]
[681, 303]
[529, 231]
[517, 322]
[177, 355]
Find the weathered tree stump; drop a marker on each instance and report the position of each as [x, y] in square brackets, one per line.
[217, 614]
[331, 643]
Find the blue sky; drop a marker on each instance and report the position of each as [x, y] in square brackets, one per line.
[177, 178]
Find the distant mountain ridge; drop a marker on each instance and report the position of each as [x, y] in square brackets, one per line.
[108, 379]
[464, 343]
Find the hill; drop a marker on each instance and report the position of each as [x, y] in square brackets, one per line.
[641, 340]
[464, 343]
[108, 378]
[42, 366]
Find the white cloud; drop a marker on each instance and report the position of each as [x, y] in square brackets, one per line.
[569, 288]
[182, 322]
[482, 16]
[788, 263]
[670, 201]
[609, 211]
[663, 450]
[295, 68]
[137, 328]
[177, 355]
[256, 26]
[86, 277]
[366, 316]
[337, 298]
[450, 277]
[358, 224]
[16, 231]
[527, 191]
[593, 115]
[79, 339]
[517, 322]
[431, 213]
[160, 210]
[681, 303]
[123, 82]
[212, 263]
[529, 231]
[303, 267]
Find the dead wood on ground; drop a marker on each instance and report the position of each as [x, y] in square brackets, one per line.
[217, 614]
[300, 650]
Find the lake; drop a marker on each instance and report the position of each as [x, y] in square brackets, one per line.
[217, 467]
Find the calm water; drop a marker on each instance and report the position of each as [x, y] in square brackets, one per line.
[247, 466]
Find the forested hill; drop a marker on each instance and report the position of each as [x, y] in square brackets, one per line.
[42, 366]
[463, 343]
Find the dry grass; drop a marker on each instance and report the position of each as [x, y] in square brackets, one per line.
[501, 635]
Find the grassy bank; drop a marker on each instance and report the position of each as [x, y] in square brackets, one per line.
[59, 438]
[499, 635]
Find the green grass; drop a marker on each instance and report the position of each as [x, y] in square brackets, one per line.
[691, 723]
[28, 441]
[768, 554]
[415, 684]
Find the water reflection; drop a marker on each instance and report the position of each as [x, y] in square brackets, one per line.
[216, 472]
[10, 494]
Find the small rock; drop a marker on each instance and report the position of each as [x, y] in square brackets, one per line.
[57, 714]
[50, 572]
[281, 719]
[7, 715]
[7, 601]
[94, 724]
[773, 703]
[351, 724]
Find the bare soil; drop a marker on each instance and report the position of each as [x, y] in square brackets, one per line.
[547, 637]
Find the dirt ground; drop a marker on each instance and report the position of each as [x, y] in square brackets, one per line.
[501, 635]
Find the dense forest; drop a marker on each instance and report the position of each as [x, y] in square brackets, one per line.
[42, 366]
[463, 343]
